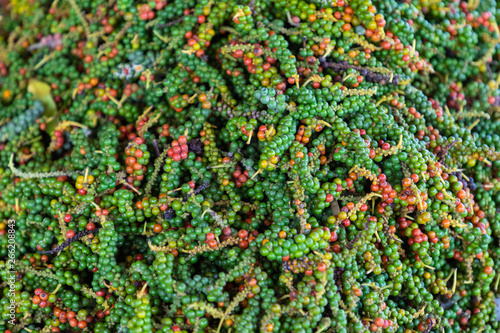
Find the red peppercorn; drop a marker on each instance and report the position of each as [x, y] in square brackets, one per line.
[243, 234]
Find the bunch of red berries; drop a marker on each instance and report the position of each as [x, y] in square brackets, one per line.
[179, 150]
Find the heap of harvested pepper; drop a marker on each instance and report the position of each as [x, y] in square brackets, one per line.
[249, 166]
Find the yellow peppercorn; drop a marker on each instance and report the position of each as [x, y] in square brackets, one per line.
[424, 218]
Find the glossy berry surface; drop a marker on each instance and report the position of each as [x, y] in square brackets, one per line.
[249, 166]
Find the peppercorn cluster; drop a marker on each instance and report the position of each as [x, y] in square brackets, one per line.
[249, 166]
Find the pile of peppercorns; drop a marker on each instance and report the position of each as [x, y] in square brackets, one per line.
[249, 166]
